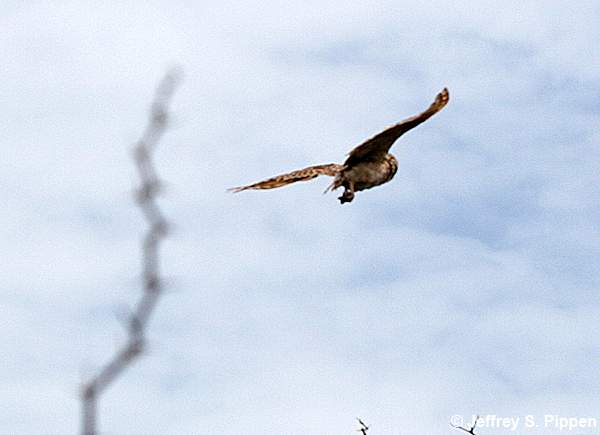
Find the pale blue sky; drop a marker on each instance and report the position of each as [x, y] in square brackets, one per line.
[468, 285]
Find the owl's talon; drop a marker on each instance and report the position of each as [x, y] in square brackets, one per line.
[348, 196]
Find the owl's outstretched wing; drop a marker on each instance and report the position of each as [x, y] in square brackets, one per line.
[305, 174]
[381, 143]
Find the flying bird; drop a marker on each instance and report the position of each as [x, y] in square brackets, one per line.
[368, 165]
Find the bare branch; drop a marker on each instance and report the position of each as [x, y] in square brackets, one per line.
[363, 427]
[137, 321]
[470, 430]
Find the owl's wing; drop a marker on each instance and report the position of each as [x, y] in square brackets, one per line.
[305, 174]
[381, 143]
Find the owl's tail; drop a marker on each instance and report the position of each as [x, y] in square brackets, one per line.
[337, 182]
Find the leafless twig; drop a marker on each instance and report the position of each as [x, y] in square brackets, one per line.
[363, 427]
[137, 321]
[470, 430]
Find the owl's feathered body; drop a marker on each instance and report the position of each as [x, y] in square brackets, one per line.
[368, 165]
[364, 175]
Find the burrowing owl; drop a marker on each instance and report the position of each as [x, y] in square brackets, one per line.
[368, 165]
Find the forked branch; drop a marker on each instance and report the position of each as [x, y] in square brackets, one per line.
[363, 427]
[470, 430]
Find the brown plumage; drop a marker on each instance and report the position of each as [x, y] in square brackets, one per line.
[305, 174]
[368, 165]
